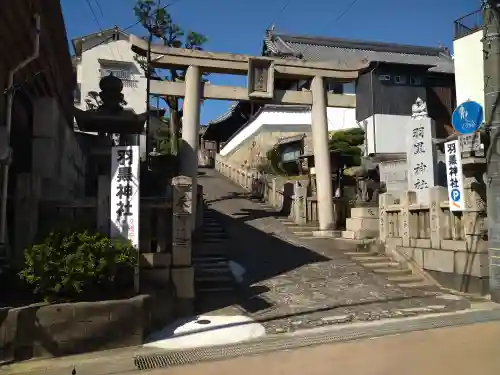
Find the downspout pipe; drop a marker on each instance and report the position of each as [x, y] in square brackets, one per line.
[11, 92]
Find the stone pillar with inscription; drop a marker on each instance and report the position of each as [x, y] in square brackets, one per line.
[182, 269]
[407, 226]
[300, 197]
[385, 200]
[421, 154]
[438, 194]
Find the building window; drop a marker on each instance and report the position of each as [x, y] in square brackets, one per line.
[415, 80]
[400, 80]
[349, 88]
[290, 155]
[77, 94]
[121, 73]
[129, 83]
[384, 77]
[334, 87]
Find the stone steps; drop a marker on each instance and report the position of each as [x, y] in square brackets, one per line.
[211, 263]
[410, 278]
[416, 284]
[209, 260]
[372, 258]
[393, 271]
[382, 265]
[303, 233]
[360, 253]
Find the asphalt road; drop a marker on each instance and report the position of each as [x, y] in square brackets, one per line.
[465, 350]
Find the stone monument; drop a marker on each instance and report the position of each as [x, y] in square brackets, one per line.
[420, 154]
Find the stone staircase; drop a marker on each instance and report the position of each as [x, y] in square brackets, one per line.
[212, 272]
[395, 272]
[361, 230]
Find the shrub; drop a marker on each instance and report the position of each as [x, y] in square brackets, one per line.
[78, 265]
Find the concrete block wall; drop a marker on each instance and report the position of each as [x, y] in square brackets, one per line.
[53, 330]
[57, 156]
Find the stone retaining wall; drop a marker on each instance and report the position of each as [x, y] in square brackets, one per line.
[452, 246]
[289, 196]
[52, 330]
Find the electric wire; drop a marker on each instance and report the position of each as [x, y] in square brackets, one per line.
[337, 19]
[137, 22]
[99, 7]
[100, 27]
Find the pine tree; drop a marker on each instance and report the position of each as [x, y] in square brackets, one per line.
[348, 142]
[159, 23]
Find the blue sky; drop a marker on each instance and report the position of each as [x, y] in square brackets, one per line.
[238, 25]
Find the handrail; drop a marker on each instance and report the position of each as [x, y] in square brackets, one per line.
[468, 24]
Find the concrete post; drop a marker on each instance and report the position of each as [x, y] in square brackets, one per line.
[491, 47]
[300, 196]
[321, 155]
[405, 230]
[190, 126]
[385, 200]
[438, 194]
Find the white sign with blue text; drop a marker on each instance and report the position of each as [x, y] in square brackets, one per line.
[453, 157]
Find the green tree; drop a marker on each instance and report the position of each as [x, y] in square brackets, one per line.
[160, 25]
[348, 142]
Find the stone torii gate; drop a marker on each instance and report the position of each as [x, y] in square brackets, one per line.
[261, 73]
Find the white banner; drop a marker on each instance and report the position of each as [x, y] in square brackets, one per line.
[125, 193]
[453, 155]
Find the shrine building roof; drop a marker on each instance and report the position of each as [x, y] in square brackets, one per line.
[312, 48]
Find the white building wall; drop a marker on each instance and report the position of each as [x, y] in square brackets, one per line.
[89, 75]
[469, 70]
[386, 134]
[338, 119]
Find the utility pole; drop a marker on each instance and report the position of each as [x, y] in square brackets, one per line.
[491, 48]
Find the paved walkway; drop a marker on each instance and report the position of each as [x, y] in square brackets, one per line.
[462, 350]
[292, 283]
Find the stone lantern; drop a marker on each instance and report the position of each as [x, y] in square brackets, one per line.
[110, 117]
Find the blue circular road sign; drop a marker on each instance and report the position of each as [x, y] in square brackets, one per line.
[467, 117]
[455, 195]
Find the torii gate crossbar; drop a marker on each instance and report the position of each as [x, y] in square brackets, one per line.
[261, 73]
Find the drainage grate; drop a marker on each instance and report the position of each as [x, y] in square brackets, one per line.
[325, 336]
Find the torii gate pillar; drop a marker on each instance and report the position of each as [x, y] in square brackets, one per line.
[190, 128]
[261, 73]
[319, 125]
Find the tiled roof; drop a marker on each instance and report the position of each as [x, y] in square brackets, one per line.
[324, 49]
[225, 115]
